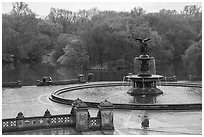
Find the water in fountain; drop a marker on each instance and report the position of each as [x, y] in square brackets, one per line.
[118, 94]
[165, 80]
[143, 84]
[159, 82]
[124, 81]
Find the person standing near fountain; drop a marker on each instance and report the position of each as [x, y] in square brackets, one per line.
[145, 123]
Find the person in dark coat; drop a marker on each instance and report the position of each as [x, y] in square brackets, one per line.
[145, 122]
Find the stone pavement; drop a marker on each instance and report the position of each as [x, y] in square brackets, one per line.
[72, 131]
[33, 101]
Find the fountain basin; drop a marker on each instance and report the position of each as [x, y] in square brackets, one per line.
[116, 93]
[144, 85]
[144, 91]
[145, 78]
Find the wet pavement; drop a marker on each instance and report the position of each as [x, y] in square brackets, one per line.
[34, 101]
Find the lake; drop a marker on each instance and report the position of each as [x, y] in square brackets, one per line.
[29, 73]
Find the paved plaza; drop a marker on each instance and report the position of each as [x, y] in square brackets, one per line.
[34, 101]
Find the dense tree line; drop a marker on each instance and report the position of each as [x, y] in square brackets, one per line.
[92, 37]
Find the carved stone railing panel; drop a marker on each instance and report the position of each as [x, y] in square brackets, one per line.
[94, 123]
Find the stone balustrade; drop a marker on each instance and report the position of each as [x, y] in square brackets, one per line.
[47, 82]
[169, 79]
[12, 84]
[32, 123]
[79, 118]
[94, 123]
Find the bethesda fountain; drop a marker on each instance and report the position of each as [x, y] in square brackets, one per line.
[144, 78]
[141, 88]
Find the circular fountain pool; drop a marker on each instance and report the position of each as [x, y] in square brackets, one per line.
[118, 95]
[175, 96]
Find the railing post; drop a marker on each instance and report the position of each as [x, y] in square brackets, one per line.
[19, 83]
[90, 77]
[105, 113]
[81, 115]
[20, 120]
[44, 79]
[81, 78]
[47, 116]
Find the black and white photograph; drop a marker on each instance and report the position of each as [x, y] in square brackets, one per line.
[101, 67]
